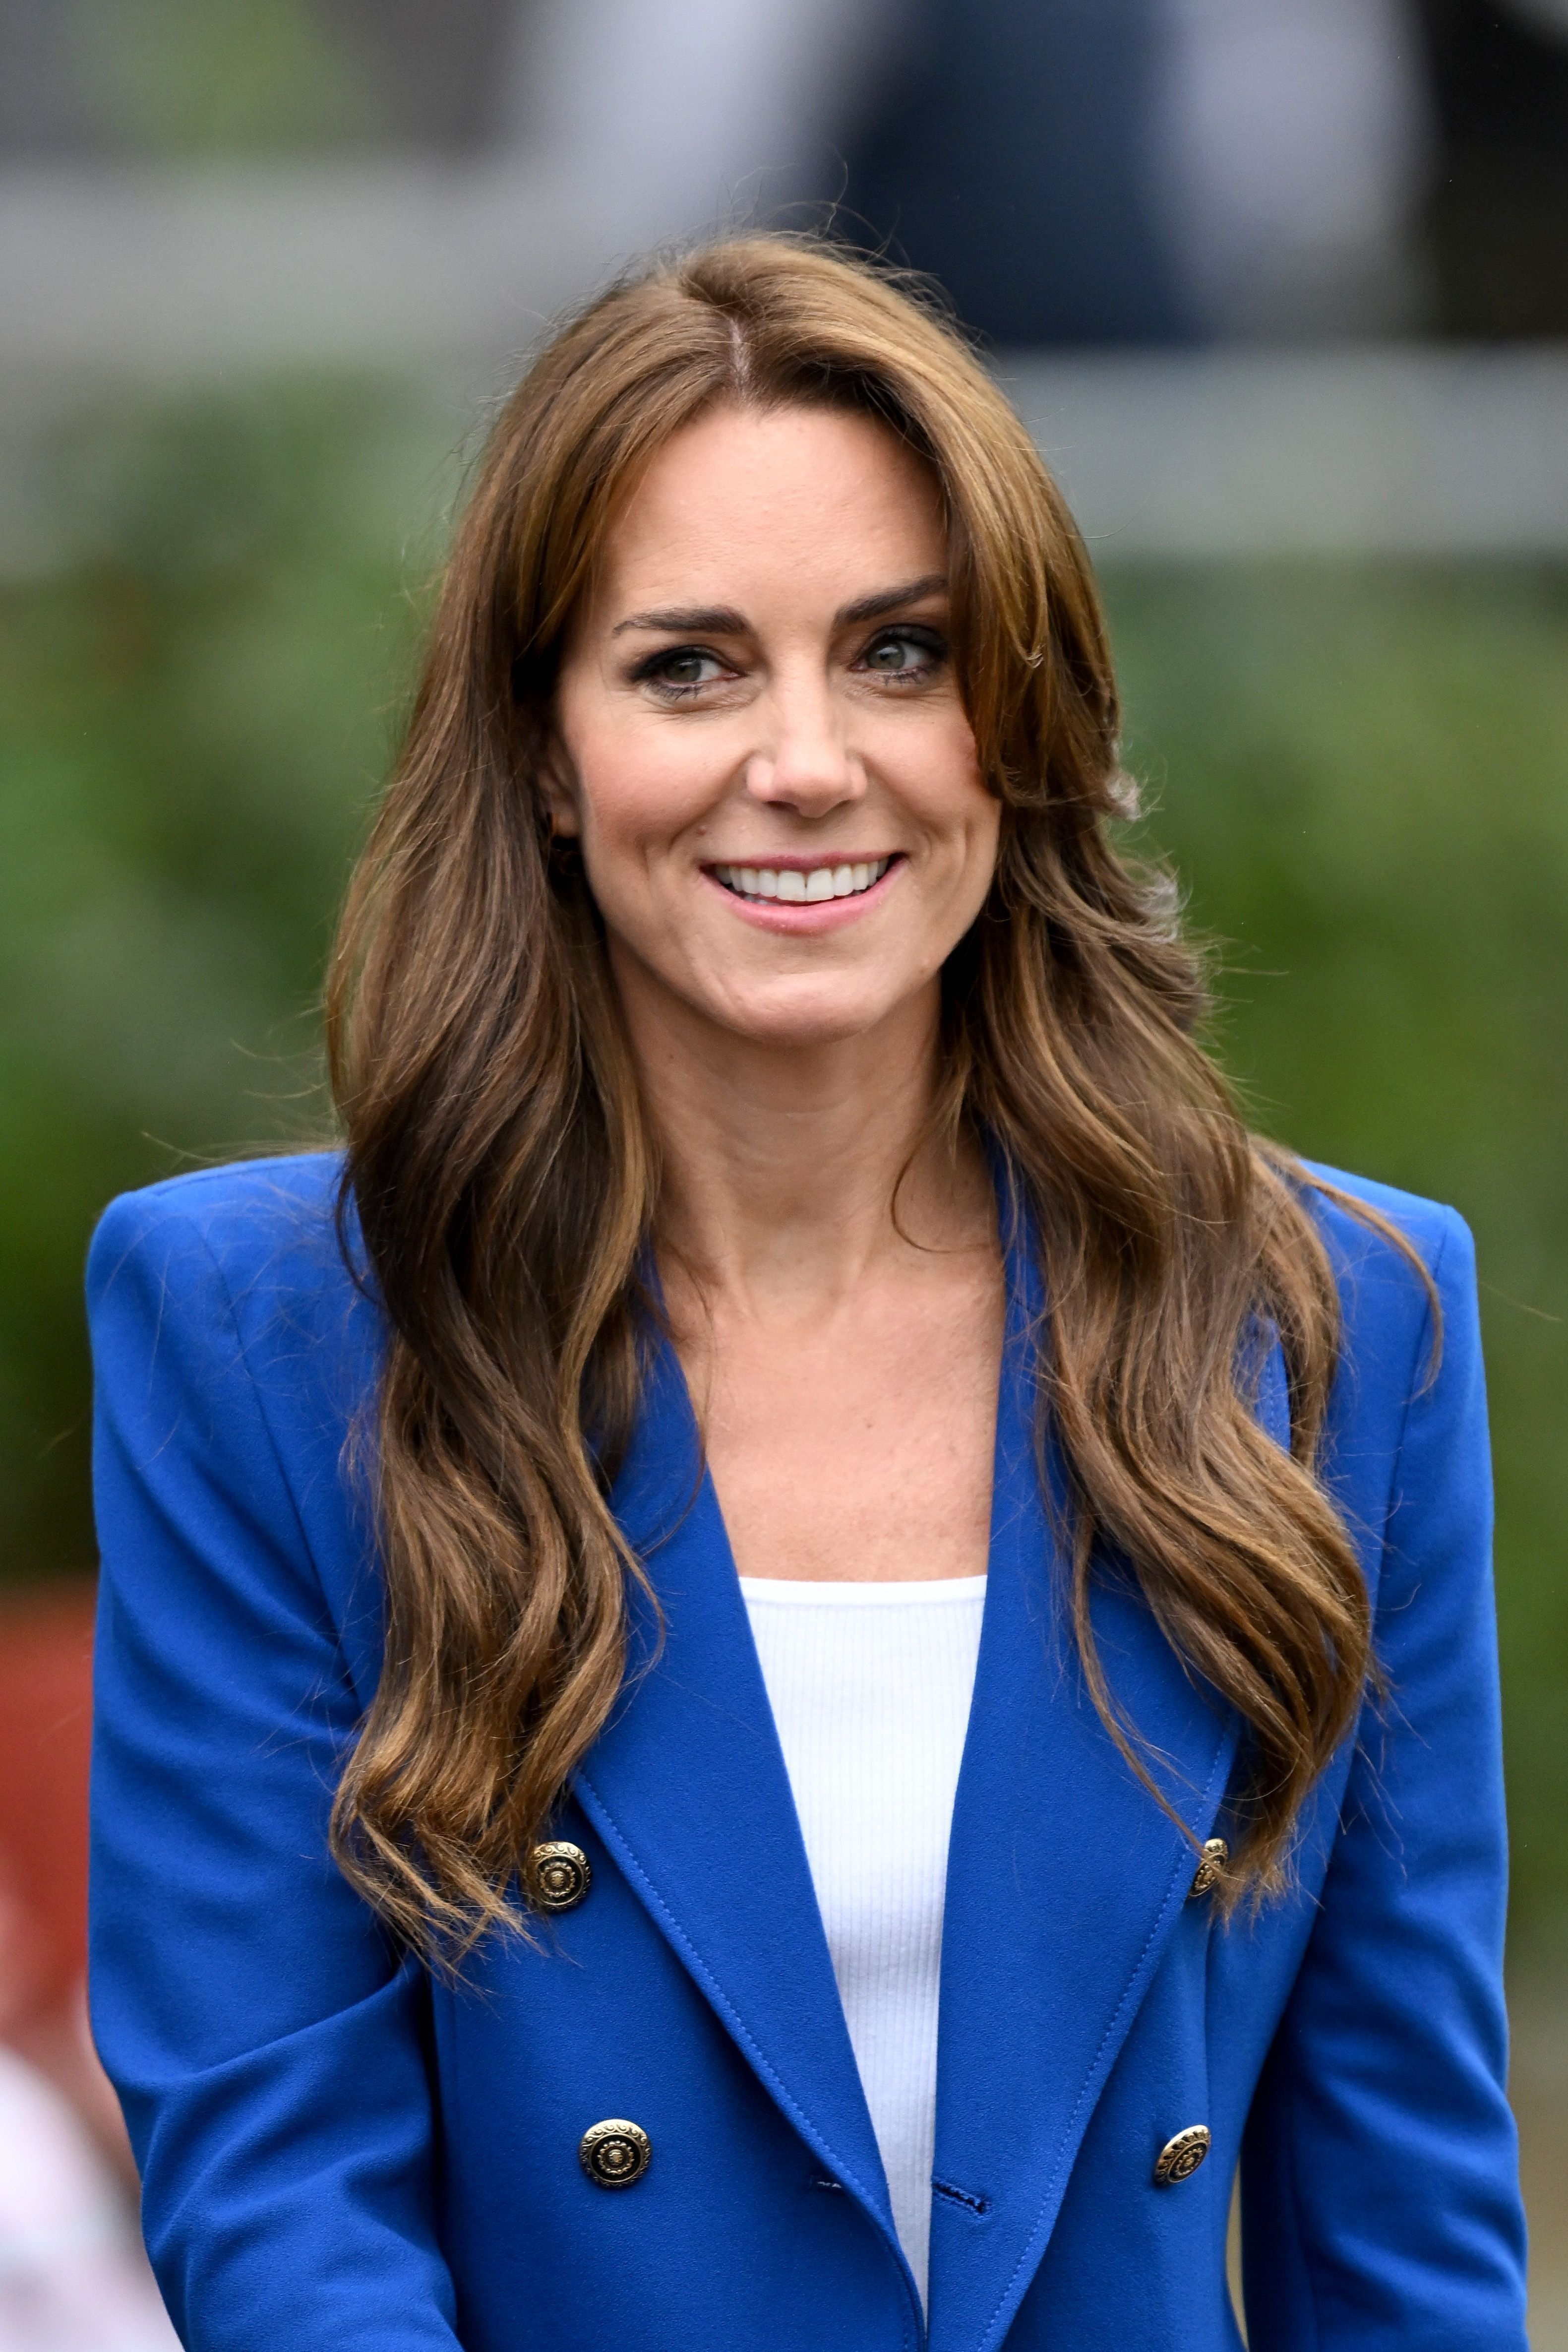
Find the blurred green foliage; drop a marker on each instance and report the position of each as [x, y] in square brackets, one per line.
[190, 79]
[194, 712]
[1359, 768]
[1362, 773]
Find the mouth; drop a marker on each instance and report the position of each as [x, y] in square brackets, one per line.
[811, 885]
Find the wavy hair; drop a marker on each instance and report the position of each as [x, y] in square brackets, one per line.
[507, 1187]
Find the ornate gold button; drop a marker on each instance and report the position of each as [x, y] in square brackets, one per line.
[1210, 1870]
[561, 1875]
[615, 2154]
[1180, 2158]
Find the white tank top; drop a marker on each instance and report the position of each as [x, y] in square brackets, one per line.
[869, 1686]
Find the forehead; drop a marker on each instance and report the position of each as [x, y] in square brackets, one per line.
[809, 495]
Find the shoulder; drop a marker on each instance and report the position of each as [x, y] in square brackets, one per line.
[234, 1353]
[246, 1256]
[1362, 1224]
[1410, 1357]
[1335, 1197]
[253, 1221]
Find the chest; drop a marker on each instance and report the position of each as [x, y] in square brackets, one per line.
[858, 1444]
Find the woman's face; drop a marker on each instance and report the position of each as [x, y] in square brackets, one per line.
[761, 745]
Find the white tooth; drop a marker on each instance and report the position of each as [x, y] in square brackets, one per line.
[879, 868]
[819, 883]
[791, 884]
[729, 875]
[749, 880]
[861, 878]
[766, 882]
[844, 881]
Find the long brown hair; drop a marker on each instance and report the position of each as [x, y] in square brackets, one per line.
[507, 1188]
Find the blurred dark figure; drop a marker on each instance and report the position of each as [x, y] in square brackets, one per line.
[1108, 171]
[1497, 221]
[1007, 150]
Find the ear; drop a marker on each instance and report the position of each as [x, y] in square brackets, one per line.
[556, 790]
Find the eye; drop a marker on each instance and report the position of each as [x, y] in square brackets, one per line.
[904, 654]
[683, 669]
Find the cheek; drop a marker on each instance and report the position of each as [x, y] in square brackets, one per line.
[983, 847]
[949, 796]
[967, 818]
[636, 786]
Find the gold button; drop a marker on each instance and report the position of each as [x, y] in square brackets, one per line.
[615, 2154]
[561, 1876]
[1212, 1869]
[1180, 2158]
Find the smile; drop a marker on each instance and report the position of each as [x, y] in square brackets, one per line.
[809, 888]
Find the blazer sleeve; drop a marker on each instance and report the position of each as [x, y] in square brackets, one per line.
[1380, 2194]
[268, 2046]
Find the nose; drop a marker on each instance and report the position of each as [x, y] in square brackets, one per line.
[805, 765]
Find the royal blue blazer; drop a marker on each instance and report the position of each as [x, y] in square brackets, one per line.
[339, 2155]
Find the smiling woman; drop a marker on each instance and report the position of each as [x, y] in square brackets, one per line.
[818, 1533]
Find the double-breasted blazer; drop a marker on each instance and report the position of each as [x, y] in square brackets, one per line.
[338, 2152]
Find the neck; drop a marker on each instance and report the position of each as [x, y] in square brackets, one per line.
[781, 1161]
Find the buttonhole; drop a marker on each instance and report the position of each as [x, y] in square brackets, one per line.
[963, 2196]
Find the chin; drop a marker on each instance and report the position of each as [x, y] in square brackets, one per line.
[803, 1019]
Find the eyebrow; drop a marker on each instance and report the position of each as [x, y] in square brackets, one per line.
[724, 621]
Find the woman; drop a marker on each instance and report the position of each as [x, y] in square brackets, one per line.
[845, 1650]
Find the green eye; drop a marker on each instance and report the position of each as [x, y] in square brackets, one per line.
[683, 670]
[905, 655]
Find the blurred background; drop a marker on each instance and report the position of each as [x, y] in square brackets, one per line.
[1281, 286]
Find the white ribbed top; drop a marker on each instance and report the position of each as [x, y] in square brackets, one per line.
[869, 1686]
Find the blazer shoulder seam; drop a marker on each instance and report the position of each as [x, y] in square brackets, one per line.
[1424, 1332]
[220, 1275]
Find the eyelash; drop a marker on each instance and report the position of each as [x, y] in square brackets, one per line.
[928, 641]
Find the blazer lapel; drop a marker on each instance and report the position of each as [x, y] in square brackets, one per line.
[1064, 1879]
[688, 1787]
